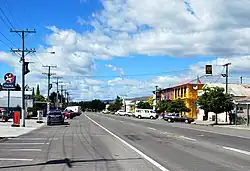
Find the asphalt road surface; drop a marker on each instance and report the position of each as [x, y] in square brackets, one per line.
[95, 142]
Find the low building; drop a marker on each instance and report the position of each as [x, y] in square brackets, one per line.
[187, 92]
[130, 104]
[15, 99]
[240, 95]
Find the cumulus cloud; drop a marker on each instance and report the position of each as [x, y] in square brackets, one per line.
[114, 68]
[160, 27]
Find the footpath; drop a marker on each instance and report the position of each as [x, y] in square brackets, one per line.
[7, 131]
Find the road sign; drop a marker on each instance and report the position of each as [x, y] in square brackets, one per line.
[10, 81]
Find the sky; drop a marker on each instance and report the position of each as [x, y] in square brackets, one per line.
[105, 48]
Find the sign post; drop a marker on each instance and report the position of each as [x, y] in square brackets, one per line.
[9, 84]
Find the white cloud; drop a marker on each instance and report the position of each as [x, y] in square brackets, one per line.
[160, 27]
[114, 68]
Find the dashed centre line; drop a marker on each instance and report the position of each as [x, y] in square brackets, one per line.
[237, 150]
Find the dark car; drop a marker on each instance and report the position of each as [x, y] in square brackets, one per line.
[55, 117]
[175, 117]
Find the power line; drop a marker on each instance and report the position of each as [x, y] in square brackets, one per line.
[129, 75]
[7, 18]
[11, 15]
[8, 40]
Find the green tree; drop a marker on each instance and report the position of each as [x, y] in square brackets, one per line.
[116, 105]
[204, 100]
[162, 106]
[150, 100]
[37, 90]
[178, 106]
[217, 101]
[144, 105]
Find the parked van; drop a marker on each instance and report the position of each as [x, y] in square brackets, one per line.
[145, 113]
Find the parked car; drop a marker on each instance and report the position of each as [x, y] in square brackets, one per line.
[145, 113]
[55, 117]
[66, 115]
[130, 114]
[175, 117]
[120, 112]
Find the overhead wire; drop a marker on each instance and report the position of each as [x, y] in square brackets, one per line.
[11, 15]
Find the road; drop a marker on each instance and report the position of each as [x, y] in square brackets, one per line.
[95, 142]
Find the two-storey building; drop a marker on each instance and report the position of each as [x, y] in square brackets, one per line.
[187, 92]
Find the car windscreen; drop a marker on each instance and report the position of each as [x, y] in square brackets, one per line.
[55, 113]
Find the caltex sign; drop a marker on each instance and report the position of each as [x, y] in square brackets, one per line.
[10, 81]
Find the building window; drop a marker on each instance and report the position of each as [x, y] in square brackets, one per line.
[185, 91]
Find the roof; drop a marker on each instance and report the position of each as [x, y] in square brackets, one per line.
[234, 89]
[180, 85]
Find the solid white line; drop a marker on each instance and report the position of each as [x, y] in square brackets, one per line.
[13, 159]
[187, 138]
[23, 143]
[34, 139]
[152, 161]
[237, 150]
[20, 150]
[213, 132]
[152, 128]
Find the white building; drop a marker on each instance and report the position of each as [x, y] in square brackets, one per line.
[238, 91]
[15, 99]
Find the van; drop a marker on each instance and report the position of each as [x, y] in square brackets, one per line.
[145, 113]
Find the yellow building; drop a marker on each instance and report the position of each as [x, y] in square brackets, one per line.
[187, 92]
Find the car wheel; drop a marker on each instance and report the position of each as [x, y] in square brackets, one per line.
[169, 120]
[186, 121]
[139, 116]
[151, 117]
[48, 123]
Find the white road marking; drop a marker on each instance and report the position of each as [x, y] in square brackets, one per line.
[121, 121]
[152, 128]
[33, 139]
[20, 150]
[200, 135]
[187, 138]
[152, 161]
[13, 159]
[213, 132]
[237, 150]
[23, 143]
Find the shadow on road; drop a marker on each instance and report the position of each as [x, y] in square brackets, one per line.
[68, 162]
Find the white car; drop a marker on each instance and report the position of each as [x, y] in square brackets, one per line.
[120, 112]
[145, 113]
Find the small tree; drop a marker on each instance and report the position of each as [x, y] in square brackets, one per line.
[116, 105]
[215, 100]
[178, 106]
[150, 100]
[162, 106]
[144, 105]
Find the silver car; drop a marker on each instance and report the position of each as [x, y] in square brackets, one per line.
[55, 117]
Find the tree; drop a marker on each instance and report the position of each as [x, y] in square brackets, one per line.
[162, 106]
[37, 90]
[116, 105]
[217, 101]
[204, 100]
[144, 105]
[150, 100]
[178, 106]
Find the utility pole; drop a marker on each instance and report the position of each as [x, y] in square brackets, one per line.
[57, 91]
[24, 65]
[49, 74]
[240, 79]
[226, 75]
[62, 95]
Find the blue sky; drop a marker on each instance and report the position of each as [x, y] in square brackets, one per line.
[107, 39]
